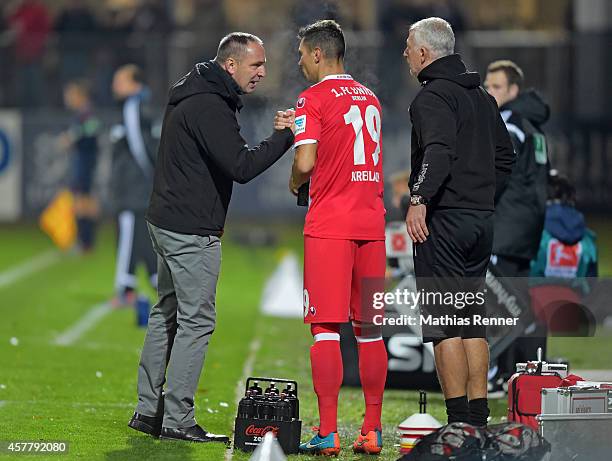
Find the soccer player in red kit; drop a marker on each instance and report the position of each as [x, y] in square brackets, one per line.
[338, 147]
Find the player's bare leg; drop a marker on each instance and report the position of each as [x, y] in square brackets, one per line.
[452, 369]
[477, 352]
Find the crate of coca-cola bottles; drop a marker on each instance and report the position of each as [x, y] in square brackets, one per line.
[268, 405]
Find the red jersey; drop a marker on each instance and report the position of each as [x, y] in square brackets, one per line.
[346, 187]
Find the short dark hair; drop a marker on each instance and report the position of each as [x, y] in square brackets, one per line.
[327, 35]
[513, 72]
[560, 189]
[135, 72]
[234, 45]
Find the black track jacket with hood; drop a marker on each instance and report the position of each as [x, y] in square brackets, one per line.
[202, 153]
[462, 155]
[519, 213]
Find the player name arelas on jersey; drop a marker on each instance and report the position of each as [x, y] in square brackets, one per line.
[373, 176]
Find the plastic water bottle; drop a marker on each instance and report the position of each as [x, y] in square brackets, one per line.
[282, 409]
[293, 401]
[272, 389]
[267, 408]
[255, 389]
[246, 407]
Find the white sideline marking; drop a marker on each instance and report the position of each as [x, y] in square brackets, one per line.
[247, 370]
[72, 404]
[88, 321]
[83, 345]
[28, 267]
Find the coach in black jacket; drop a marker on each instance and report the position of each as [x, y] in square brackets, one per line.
[201, 154]
[520, 210]
[461, 158]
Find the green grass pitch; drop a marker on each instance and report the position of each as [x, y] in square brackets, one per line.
[85, 392]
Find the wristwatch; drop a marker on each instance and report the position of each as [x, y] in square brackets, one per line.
[418, 200]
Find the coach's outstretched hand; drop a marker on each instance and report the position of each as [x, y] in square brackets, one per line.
[284, 119]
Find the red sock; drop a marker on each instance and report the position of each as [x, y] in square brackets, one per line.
[326, 362]
[373, 374]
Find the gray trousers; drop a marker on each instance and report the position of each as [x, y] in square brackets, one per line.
[180, 325]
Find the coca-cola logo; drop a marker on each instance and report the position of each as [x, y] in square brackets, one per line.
[253, 430]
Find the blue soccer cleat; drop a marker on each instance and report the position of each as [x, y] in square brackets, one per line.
[326, 446]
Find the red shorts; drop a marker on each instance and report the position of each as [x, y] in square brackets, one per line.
[337, 274]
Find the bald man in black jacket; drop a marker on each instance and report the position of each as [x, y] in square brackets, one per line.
[201, 154]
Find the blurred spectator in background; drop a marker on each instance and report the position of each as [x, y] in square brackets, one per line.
[152, 25]
[304, 13]
[134, 149]
[567, 254]
[190, 17]
[520, 208]
[119, 26]
[30, 24]
[76, 26]
[450, 11]
[395, 20]
[75, 16]
[398, 265]
[565, 225]
[152, 17]
[400, 196]
[120, 16]
[81, 140]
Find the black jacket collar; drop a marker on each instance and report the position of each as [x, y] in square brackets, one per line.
[451, 68]
[207, 77]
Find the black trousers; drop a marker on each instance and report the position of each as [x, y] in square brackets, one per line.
[453, 261]
[133, 247]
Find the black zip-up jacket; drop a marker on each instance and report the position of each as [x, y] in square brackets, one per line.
[461, 152]
[202, 153]
[520, 211]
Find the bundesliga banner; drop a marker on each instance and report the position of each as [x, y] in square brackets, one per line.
[10, 165]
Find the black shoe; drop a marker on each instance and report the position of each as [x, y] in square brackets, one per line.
[148, 424]
[192, 434]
